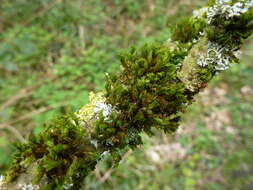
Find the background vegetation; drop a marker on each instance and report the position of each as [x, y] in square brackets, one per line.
[53, 52]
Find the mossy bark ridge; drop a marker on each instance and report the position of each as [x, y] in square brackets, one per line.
[154, 87]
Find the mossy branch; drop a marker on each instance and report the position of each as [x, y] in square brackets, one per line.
[154, 87]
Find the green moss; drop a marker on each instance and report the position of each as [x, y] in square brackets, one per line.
[205, 75]
[211, 3]
[146, 94]
[230, 33]
[63, 153]
[22, 155]
[187, 29]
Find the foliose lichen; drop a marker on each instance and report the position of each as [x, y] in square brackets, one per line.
[91, 110]
[28, 187]
[216, 56]
[228, 9]
[227, 23]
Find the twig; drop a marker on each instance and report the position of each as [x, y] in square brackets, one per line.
[107, 174]
[9, 127]
[81, 36]
[25, 92]
[21, 94]
[39, 14]
[36, 112]
[14, 131]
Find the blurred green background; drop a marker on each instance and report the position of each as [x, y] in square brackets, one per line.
[53, 52]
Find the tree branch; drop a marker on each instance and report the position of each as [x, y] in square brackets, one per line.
[152, 90]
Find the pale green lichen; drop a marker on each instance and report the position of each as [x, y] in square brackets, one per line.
[87, 112]
[90, 112]
[190, 70]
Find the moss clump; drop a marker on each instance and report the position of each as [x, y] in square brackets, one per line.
[21, 156]
[205, 75]
[231, 32]
[145, 94]
[63, 154]
[187, 29]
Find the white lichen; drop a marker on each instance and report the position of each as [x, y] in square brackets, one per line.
[105, 108]
[202, 61]
[67, 186]
[216, 56]
[179, 65]
[1, 181]
[201, 33]
[94, 143]
[237, 54]
[219, 56]
[227, 9]
[200, 12]
[195, 41]
[222, 1]
[28, 187]
[103, 155]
